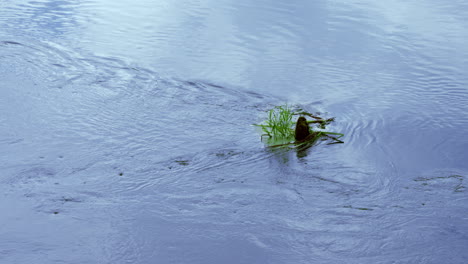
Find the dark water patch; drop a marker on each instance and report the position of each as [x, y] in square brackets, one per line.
[439, 183]
[358, 208]
[182, 162]
[70, 199]
[7, 42]
[11, 141]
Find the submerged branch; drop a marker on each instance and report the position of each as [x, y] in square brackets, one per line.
[308, 114]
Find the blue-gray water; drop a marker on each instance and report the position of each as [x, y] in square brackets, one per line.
[126, 131]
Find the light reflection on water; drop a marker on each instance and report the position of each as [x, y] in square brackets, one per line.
[126, 132]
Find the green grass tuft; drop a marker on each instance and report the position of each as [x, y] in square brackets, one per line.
[279, 122]
[280, 126]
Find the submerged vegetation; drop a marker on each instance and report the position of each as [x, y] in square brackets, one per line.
[282, 129]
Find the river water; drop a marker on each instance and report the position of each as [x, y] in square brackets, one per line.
[126, 131]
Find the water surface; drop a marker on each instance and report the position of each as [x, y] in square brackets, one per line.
[126, 132]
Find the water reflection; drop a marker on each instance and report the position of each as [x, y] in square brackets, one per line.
[53, 18]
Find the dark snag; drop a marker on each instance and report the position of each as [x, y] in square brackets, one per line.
[302, 129]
